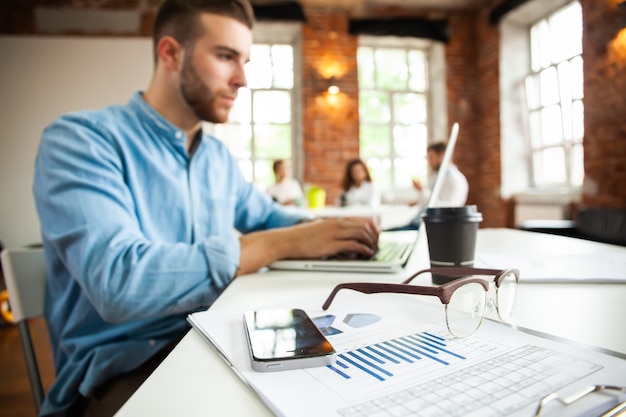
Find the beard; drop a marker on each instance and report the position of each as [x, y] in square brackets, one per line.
[198, 96]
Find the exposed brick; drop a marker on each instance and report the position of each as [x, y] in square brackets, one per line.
[331, 131]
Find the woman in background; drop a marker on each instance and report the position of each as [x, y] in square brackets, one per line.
[357, 186]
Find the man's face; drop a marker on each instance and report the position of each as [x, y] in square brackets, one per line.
[213, 68]
[281, 172]
[434, 160]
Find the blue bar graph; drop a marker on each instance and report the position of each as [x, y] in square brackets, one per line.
[378, 360]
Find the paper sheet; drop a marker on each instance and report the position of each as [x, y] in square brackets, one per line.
[398, 356]
[609, 267]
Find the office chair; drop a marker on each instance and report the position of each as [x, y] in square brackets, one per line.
[600, 224]
[25, 275]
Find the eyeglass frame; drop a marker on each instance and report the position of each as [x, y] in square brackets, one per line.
[462, 275]
[570, 399]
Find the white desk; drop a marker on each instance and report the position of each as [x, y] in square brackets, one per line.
[194, 380]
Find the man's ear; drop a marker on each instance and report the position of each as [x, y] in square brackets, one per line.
[170, 52]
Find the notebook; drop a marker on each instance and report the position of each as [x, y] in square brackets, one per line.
[394, 248]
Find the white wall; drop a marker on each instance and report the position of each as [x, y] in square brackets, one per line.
[41, 78]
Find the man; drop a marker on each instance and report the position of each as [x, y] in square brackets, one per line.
[287, 191]
[454, 189]
[137, 208]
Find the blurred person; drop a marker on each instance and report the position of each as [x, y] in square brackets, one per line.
[287, 190]
[137, 206]
[454, 190]
[357, 186]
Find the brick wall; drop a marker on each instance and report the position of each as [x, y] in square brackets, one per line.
[331, 126]
[473, 98]
[604, 53]
[331, 132]
[330, 122]
[467, 104]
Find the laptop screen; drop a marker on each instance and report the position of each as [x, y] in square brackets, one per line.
[445, 165]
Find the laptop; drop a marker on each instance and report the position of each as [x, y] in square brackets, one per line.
[394, 248]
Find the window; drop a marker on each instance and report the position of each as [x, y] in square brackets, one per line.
[554, 93]
[262, 125]
[541, 109]
[396, 106]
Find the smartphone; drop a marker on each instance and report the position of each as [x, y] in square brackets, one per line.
[282, 339]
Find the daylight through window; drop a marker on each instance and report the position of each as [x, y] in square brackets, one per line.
[554, 93]
[393, 112]
[262, 123]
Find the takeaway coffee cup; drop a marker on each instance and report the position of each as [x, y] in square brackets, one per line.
[451, 234]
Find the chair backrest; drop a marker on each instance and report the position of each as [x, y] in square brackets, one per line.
[25, 278]
[602, 224]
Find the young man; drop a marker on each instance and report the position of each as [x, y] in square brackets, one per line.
[137, 208]
[454, 189]
[287, 190]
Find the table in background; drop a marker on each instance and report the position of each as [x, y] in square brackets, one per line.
[387, 215]
[194, 380]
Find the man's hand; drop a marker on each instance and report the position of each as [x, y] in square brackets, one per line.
[325, 237]
[318, 238]
[417, 184]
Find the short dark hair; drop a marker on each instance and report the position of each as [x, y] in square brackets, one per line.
[180, 18]
[438, 147]
[276, 164]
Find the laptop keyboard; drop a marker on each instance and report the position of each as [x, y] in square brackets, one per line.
[388, 251]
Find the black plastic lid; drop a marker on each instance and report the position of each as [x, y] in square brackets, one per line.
[446, 214]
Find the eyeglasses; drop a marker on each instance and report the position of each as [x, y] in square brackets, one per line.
[465, 297]
[617, 410]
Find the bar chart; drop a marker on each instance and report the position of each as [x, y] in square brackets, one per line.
[380, 358]
[374, 360]
[403, 361]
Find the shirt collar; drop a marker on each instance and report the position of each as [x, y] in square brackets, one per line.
[153, 118]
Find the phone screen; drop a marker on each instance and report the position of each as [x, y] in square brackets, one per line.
[283, 334]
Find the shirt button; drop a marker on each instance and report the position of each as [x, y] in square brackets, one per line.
[179, 135]
[151, 342]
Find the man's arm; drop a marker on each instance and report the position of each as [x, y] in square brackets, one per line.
[423, 192]
[313, 239]
[95, 216]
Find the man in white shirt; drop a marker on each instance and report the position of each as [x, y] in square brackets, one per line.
[454, 189]
[286, 190]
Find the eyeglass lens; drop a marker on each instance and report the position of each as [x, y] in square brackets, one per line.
[464, 312]
[505, 296]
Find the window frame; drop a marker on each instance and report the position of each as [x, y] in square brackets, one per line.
[281, 33]
[435, 91]
[514, 67]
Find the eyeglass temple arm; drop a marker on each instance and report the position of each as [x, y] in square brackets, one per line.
[454, 272]
[373, 287]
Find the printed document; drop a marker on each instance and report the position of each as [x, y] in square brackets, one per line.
[397, 358]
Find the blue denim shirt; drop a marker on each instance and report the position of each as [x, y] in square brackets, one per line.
[137, 234]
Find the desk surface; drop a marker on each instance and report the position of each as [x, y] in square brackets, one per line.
[194, 380]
